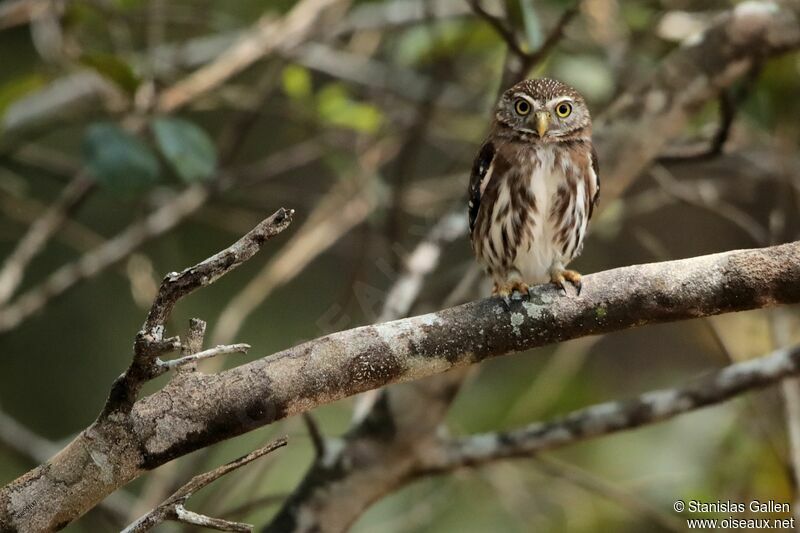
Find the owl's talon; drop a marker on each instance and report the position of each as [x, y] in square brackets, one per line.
[503, 291]
[530, 292]
[560, 277]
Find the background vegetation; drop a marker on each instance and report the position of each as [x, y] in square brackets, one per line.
[370, 136]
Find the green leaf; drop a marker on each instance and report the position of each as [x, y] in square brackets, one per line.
[17, 88]
[119, 160]
[335, 107]
[187, 147]
[296, 82]
[114, 69]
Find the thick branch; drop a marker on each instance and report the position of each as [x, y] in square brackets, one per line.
[198, 410]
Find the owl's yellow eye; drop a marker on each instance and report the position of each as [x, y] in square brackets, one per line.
[564, 109]
[522, 106]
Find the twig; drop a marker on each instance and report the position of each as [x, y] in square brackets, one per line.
[150, 342]
[39, 233]
[267, 36]
[109, 253]
[611, 417]
[205, 354]
[173, 507]
[179, 285]
[524, 61]
[317, 440]
[552, 38]
[500, 27]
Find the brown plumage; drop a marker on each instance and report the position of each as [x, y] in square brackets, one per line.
[533, 187]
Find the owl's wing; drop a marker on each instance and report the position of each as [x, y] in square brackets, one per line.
[596, 169]
[481, 173]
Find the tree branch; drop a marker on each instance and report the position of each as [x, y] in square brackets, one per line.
[199, 410]
[612, 417]
[150, 342]
[173, 507]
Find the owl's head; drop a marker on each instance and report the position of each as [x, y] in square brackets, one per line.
[545, 109]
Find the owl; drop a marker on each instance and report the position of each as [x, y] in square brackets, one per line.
[533, 188]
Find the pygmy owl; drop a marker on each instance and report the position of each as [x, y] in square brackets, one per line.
[533, 187]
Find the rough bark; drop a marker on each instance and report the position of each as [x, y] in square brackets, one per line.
[196, 410]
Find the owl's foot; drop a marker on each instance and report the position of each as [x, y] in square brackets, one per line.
[503, 290]
[514, 289]
[560, 277]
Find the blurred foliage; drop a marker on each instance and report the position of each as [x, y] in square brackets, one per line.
[114, 69]
[119, 160]
[300, 128]
[189, 150]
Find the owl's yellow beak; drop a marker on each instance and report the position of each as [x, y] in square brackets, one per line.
[542, 120]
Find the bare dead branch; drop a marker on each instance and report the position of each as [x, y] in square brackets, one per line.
[173, 507]
[150, 342]
[179, 285]
[223, 349]
[37, 449]
[611, 417]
